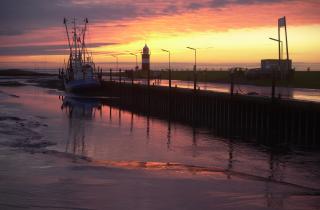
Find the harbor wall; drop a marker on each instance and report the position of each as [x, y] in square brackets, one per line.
[270, 122]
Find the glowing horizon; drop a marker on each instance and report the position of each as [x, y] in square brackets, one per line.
[224, 32]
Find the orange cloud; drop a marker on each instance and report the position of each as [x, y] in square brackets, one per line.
[232, 27]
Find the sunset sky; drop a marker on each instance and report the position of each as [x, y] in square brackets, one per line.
[237, 31]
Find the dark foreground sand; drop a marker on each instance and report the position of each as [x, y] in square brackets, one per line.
[55, 181]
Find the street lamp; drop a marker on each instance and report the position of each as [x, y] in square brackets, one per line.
[194, 68]
[137, 67]
[117, 61]
[281, 42]
[273, 70]
[119, 71]
[117, 65]
[169, 66]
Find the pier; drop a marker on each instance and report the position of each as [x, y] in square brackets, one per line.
[256, 119]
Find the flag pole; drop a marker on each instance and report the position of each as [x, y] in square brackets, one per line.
[285, 28]
[279, 63]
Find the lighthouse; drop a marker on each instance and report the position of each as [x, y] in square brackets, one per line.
[146, 59]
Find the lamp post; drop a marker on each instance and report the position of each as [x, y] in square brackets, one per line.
[117, 66]
[119, 71]
[169, 66]
[194, 68]
[273, 70]
[281, 43]
[137, 67]
[117, 61]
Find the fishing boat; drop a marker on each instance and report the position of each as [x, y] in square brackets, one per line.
[80, 73]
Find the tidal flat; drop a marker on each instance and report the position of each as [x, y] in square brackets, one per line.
[64, 151]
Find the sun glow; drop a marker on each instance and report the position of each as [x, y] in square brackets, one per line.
[239, 45]
[237, 34]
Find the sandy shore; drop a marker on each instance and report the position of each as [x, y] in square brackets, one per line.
[21, 72]
[57, 181]
[14, 77]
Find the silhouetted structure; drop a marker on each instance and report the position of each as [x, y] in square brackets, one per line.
[169, 69]
[282, 123]
[146, 59]
[268, 65]
[146, 62]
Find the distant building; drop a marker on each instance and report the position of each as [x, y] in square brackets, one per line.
[267, 65]
[146, 59]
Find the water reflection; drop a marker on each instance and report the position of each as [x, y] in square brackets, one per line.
[131, 122]
[230, 162]
[124, 136]
[169, 135]
[119, 111]
[285, 92]
[148, 127]
[79, 111]
[194, 142]
[110, 114]
[91, 128]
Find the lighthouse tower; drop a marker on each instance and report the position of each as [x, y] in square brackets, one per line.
[145, 59]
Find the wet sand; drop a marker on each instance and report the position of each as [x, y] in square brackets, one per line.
[34, 175]
[21, 72]
[55, 181]
[18, 77]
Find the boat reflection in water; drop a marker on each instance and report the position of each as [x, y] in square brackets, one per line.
[79, 112]
[111, 135]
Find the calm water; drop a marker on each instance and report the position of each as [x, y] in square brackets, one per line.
[90, 128]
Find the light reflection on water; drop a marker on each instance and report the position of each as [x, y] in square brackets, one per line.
[119, 137]
[303, 94]
[108, 134]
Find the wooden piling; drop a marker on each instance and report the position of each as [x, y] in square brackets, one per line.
[279, 122]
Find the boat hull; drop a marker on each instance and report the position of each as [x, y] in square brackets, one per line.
[81, 85]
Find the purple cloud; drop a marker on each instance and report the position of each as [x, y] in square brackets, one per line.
[43, 49]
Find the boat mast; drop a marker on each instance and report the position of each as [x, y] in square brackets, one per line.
[65, 23]
[75, 37]
[83, 38]
[70, 57]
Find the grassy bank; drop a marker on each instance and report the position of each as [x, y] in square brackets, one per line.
[39, 79]
[20, 72]
[301, 79]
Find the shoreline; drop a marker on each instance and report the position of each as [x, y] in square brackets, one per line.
[52, 81]
[35, 175]
[21, 72]
[303, 80]
[53, 180]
